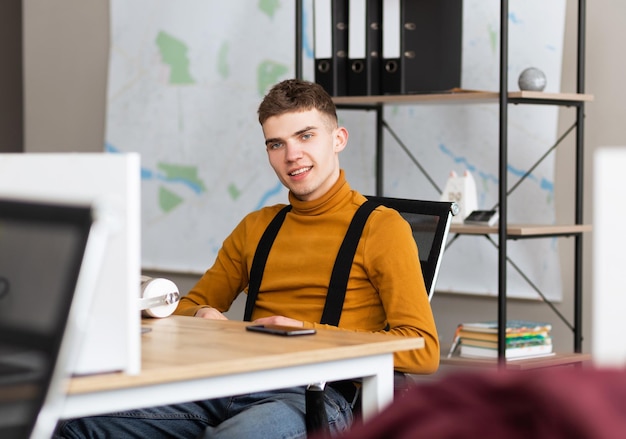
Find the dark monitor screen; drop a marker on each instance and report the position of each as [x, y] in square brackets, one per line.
[41, 251]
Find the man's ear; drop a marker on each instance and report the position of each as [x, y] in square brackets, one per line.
[341, 138]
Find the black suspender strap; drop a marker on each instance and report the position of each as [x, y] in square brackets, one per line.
[343, 264]
[341, 270]
[260, 258]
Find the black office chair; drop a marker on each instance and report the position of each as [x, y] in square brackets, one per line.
[430, 223]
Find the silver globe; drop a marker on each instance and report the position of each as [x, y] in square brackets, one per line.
[532, 79]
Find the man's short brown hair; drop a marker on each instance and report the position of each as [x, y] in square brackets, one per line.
[294, 95]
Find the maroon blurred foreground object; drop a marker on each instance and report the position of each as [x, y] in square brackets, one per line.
[547, 403]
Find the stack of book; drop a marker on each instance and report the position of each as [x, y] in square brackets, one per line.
[523, 339]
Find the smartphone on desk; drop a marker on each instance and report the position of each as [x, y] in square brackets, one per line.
[281, 330]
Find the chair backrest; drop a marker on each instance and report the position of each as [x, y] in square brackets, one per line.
[430, 222]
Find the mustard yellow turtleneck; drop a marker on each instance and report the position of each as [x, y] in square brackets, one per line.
[386, 284]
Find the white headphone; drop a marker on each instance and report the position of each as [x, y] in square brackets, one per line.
[159, 297]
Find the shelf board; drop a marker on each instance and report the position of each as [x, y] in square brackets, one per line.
[458, 96]
[530, 95]
[558, 359]
[522, 230]
[452, 97]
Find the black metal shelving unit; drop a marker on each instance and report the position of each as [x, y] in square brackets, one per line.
[504, 230]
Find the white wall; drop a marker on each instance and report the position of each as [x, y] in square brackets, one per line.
[65, 72]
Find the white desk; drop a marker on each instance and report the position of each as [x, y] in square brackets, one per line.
[187, 358]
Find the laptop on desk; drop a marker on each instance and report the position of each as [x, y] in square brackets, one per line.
[48, 260]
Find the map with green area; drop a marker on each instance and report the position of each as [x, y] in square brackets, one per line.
[185, 81]
[174, 54]
[187, 175]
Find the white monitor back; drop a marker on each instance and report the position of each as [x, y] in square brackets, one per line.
[609, 241]
[112, 338]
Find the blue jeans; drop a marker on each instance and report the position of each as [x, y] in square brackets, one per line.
[271, 414]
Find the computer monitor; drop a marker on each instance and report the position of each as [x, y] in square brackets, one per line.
[607, 294]
[112, 340]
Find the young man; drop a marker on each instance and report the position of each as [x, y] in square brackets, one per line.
[385, 291]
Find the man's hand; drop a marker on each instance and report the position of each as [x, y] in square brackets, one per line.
[279, 320]
[210, 313]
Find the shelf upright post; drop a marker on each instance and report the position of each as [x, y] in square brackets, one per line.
[379, 150]
[580, 117]
[502, 188]
[299, 29]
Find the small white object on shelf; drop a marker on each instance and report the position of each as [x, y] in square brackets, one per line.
[532, 79]
[461, 190]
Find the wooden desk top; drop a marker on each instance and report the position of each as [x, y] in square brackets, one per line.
[184, 348]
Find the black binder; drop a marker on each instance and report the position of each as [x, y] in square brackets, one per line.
[330, 29]
[364, 47]
[427, 40]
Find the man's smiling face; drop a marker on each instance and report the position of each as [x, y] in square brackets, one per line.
[303, 149]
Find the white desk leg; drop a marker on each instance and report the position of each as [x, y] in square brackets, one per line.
[378, 389]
